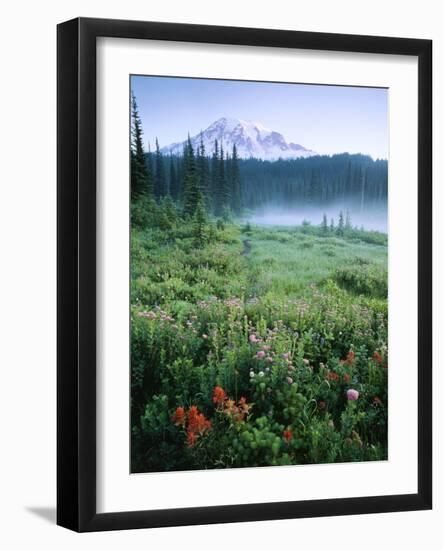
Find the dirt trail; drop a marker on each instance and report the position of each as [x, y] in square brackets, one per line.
[246, 247]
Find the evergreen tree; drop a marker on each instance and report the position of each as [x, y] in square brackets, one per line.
[163, 221]
[169, 209]
[173, 179]
[341, 224]
[149, 159]
[160, 180]
[199, 225]
[236, 196]
[180, 174]
[216, 199]
[315, 189]
[363, 188]
[212, 233]
[228, 179]
[348, 224]
[203, 173]
[191, 192]
[222, 192]
[324, 224]
[222, 178]
[141, 181]
[332, 227]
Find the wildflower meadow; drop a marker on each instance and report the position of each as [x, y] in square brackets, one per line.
[258, 347]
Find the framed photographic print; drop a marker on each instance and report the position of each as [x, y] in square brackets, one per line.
[244, 274]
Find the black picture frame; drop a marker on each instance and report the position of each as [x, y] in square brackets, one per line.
[76, 280]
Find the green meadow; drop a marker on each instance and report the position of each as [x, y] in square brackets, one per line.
[288, 261]
[256, 345]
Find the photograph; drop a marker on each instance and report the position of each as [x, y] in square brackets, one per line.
[259, 274]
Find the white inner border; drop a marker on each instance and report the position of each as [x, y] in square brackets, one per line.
[117, 490]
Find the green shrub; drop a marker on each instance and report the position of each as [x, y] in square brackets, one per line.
[370, 281]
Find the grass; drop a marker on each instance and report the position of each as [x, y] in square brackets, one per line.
[287, 261]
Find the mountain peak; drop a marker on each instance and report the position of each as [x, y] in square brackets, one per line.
[251, 138]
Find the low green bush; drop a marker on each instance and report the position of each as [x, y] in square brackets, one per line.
[370, 281]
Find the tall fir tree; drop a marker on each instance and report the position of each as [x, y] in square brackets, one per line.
[199, 225]
[141, 177]
[341, 224]
[235, 183]
[363, 188]
[348, 223]
[222, 194]
[324, 224]
[168, 211]
[149, 159]
[180, 173]
[191, 192]
[215, 174]
[160, 179]
[203, 173]
[173, 179]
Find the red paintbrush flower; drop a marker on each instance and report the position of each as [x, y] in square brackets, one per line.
[219, 395]
[377, 357]
[332, 376]
[179, 416]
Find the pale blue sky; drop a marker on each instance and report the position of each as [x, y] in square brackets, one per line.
[327, 119]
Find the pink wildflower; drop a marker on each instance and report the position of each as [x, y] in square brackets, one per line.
[147, 314]
[352, 395]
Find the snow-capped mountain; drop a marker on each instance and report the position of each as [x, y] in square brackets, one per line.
[251, 139]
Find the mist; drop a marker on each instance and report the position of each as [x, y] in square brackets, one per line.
[372, 217]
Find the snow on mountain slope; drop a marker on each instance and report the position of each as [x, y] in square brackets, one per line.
[251, 139]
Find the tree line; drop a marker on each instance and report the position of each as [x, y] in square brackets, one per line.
[314, 180]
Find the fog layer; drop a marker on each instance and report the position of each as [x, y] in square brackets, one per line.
[371, 217]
